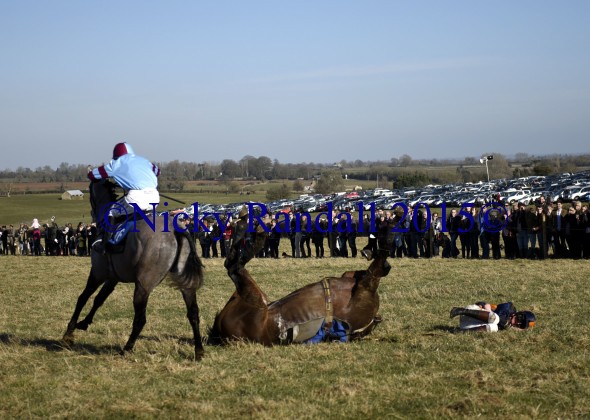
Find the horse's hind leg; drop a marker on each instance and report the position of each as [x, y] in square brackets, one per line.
[104, 293]
[140, 301]
[91, 285]
[192, 313]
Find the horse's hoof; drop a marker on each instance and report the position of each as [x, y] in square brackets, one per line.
[68, 340]
[126, 351]
[199, 354]
[82, 325]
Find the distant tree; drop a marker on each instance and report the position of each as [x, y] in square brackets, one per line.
[262, 167]
[416, 179]
[330, 181]
[498, 166]
[248, 164]
[278, 192]
[543, 168]
[522, 157]
[230, 169]
[405, 160]
[569, 167]
[231, 186]
[463, 173]
[298, 185]
[173, 171]
[171, 185]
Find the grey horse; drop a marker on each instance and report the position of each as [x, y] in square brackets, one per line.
[150, 254]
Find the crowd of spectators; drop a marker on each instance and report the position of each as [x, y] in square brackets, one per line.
[48, 239]
[538, 231]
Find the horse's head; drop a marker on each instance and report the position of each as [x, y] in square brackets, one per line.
[102, 193]
[379, 267]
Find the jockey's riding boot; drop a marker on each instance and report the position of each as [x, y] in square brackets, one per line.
[100, 245]
[480, 315]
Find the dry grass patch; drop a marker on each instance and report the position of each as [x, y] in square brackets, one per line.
[414, 365]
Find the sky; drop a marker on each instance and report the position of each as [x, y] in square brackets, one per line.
[301, 81]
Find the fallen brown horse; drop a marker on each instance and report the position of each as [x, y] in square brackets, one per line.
[335, 308]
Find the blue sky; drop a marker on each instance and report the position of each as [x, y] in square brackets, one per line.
[305, 81]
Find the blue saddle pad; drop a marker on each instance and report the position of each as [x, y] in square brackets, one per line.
[121, 233]
[337, 332]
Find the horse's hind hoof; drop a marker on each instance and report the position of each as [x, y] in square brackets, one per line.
[82, 325]
[68, 340]
[125, 353]
[199, 354]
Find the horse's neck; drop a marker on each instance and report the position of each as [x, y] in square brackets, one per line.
[369, 281]
[249, 290]
[101, 196]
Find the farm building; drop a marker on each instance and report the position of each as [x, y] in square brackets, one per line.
[72, 195]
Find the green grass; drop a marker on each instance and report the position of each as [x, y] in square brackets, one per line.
[22, 208]
[412, 366]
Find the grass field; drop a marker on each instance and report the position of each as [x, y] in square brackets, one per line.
[23, 208]
[413, 366]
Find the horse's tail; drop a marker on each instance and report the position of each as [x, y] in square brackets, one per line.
[187, 274]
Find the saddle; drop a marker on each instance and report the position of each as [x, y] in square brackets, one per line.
[116, 243]
[323, 329]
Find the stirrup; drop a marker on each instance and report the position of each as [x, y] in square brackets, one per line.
[99, 246]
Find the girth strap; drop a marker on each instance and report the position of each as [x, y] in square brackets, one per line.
[329, 305]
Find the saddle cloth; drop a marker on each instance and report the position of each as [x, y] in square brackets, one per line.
[116, 242]
[119, 236]
[314, 331]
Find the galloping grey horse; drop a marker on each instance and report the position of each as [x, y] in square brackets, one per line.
[149, 255]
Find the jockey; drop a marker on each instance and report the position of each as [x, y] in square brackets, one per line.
[484, 316]
[136, 175]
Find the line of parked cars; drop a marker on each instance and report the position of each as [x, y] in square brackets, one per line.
[566, 187]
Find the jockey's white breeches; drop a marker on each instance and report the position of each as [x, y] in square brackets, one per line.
[467, 323]
[146, 199]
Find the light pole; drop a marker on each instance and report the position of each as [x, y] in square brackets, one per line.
[485, 159]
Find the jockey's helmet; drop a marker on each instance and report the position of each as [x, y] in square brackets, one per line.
[525, 319]
[122, 149]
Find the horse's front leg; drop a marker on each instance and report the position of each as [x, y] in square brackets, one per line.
[140, 300]
[192, 313]
[91, 285]
[104, 293]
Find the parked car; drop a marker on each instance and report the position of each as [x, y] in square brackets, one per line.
[517, 196]
[579, 192]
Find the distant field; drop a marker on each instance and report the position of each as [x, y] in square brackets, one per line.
[413, 366]
[24, 206]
